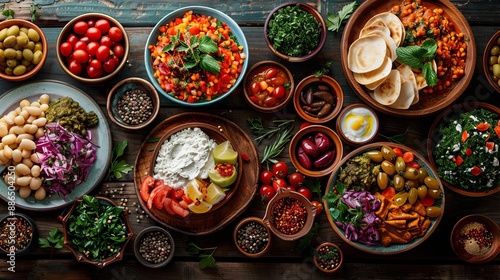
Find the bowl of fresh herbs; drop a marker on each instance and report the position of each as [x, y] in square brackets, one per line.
[196, 56]
[96, 230]
[295, 32]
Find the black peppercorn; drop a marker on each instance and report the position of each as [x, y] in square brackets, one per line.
[252, 237]
[135, 107]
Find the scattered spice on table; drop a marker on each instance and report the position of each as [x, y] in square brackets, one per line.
[476, 238]
[289, 215]
[155, 247]
[328, 257]
[17, 228]
[252, 237]
[135, 106]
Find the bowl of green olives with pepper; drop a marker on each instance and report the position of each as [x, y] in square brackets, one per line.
[23, 49]
[491, 61]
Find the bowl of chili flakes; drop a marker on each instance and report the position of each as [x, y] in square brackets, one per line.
[449, 88]
[215, 70]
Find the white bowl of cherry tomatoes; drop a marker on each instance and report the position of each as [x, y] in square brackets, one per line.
[92, 48]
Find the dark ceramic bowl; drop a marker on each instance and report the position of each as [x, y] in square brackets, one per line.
[25, 227]
[317, 257]
[169, 252]
[488, 65]
[244, 222]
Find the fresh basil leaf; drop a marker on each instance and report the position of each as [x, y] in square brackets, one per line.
[207, 45]
[194, 42]
[429, 74]
[168, 48]
[430, 46]
[411, 55]
[210, 64]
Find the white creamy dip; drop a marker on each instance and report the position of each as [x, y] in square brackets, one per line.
[186, 155]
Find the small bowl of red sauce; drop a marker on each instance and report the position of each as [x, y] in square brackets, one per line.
[268, 87]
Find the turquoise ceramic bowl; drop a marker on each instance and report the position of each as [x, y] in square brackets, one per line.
[152, 39]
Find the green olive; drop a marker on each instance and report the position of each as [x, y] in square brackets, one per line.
[411, 173]
[422, 173]
[25, 62]
[22, 40]
[30, 45]
[38, 47]
[388, 167]
[9, 71]
[422, 191]
[496, 70]
[382, 180]
[498, 41]
[431, 183]
[37, 56]
[9, 53]
[28, 54]
[3, 34]
[398, 182]
[400, 165]
[13, 31]
[433, 211]
[436, 194]
[19, 70]
[19, 54]
[2, 55]
[23, 29]
[10, 41]
[495, 50]
[411, 184]
[33, 35]
[412, 195]
[400, 198]
[375, 156]
[12, 63]
[388, 153]
[493, 60]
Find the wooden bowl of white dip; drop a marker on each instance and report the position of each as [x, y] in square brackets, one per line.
[183, 150]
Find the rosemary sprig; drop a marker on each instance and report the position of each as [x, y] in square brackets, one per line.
[273, 151]
[264, 132]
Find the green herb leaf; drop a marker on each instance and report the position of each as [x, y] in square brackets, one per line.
[44, 243]
[8, 13]
[210, 64]
[119, 168]
[207, 261]
[431, 47]
[54, 240]
[120, 148]
[324, 70]
[411, 55]
[398, 138]
[34, 13]
[334, 22]
[430, 76]
[207, 45]
[314, 185]
[59, 244]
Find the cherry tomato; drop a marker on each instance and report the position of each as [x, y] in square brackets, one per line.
[80, 27]
[95, 63]
[296, 180]
[106, 41]
[266, 177]
[115, 34]
[92, 48]
[279, 183]
[94, 72]
[80, 45]
[94, 34]
[270, 101]
[267, 192]
[225, 78]
[118, 50]
[279, 92]
[103, 53]
[85, 39]
[103, 25]
[72, 39]
[110, 65]
[75, 67]
[91, 22]
[304, 125]
[81, 56]
[271, 72]
[254, 88]
[318, 205]
[280, 170]
[305, 192]
[66, 49]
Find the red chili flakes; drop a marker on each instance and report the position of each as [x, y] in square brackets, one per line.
[19, 229]
[289, 215]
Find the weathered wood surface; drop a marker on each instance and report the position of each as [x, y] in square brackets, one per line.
[432, 259]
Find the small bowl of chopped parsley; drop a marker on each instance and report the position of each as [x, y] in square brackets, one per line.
[295, 32]
[463, 145]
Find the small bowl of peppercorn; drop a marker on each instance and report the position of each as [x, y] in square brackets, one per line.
[289, 215]
[17, 233]
[154, 247]
[328, 257]
[252, 237]
[476, 239]
[133, 103]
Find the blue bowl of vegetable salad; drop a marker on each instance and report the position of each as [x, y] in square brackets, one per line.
[384, 198]
[295, 32]
[463, 145]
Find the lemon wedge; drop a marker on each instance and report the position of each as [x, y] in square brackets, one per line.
[224, 153]
[200, 207]
[214, 194]
[193, 190]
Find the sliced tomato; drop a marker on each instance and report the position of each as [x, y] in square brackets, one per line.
[483, 126]
[468, 152]
[389, 192]
[490, 146]
[158, 199]
[187, 199]
[178, 209]
[152, 196]
[497, 130]
[413, 164]
[398, 152]
[167, 204]
[465, 135]
[476, 170]
[177, 194]
[459, 160]
[147, 183]
[184, 204]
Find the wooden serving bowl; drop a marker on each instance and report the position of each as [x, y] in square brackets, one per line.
[314, 81]
[459, 249]
[81, 257]
[322, 38]
[370, 8]
[29, 73]
[121, 88]
[435, 136]
[243, 223]
[340, 119]
[316, 256]
[486, 65]
[259, 67]
[336, 145]
[310, 208]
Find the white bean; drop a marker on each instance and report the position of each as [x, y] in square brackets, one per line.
[26, 153]
[35, 157]
[35, 170]
[40, 194]
[30, 128]
[19, 120]
[3, 158]
[44, 99]
[44, 107]
[35, 183]
[39, 122]
[20, 137]
[31, 119]
[17, 155]
[7, 152]
[9, 139]
[16, 130]
[24, 114]
[9, 119]
[4, 129]
[24, 103]
[27, 144]
[22, 169]
[24, 191]
[28, 162]
[23, 181]
[35, 104]
[39, 133]
[34, 110]
[17, 110]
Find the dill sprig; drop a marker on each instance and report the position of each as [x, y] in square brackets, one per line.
[264, 132]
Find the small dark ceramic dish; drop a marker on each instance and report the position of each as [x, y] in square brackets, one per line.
[169, 252]
[487, 66]
[24, 229]
[124, 86]
[245, 222]
[320, 258]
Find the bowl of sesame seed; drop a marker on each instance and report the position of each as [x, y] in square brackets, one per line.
[133, 103]
[154, 247]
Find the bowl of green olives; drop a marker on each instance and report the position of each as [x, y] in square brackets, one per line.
[23, 49]
[491, 61]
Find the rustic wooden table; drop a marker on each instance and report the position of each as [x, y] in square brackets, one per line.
[432, 259]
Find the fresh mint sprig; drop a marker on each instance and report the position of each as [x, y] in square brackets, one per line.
[420, 57]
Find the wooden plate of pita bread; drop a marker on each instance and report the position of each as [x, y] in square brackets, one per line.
[369, 60]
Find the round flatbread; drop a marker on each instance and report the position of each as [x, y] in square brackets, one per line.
[388, 92]
[377, 26]
[391, 46]
[405, 97]
[376, 75]
[396, 27]
[407, 75]
[366, 54]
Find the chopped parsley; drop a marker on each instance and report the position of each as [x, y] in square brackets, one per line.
[467, 156]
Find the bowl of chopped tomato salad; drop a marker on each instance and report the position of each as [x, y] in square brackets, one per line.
[196, 56]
